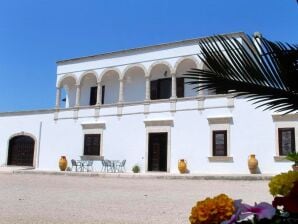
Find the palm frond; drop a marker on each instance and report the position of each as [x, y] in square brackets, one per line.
[263, 71]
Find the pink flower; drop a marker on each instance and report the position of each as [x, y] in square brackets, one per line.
[235, 217]
[261, 210]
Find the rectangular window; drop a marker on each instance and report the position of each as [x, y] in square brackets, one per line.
[219, 140]
[103, 88]
[92, 145]
[161, 89]
[165, 88]
[180, 87]
[286, 140]
[93, 95]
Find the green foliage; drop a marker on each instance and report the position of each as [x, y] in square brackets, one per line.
[260, 70]
[136, 168]
[293, 157]
[281, 184]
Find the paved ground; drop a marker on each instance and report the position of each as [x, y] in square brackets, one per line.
[33, 198]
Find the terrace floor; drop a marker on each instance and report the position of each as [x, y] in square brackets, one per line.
[37, 198]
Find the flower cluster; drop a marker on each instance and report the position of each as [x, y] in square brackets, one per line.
[224, 210]
[212, 210]
[282, 184]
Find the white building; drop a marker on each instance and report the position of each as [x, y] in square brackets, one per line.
[134, 105]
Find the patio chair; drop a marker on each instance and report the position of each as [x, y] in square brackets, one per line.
[109, 166]
[75, 164]
[120, 167]
[89, 166]
[104, 166]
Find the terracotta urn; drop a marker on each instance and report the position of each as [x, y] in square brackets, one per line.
[182, 166]
[252, 164]
[63, 163]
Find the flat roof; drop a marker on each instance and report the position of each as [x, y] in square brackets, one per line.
[150, 47]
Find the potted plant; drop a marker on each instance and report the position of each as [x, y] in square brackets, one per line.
[293, 156]
[136, 168]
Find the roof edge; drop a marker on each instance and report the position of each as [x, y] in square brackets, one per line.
[130, 50]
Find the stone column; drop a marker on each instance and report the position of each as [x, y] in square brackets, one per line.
[78, 96]
[121, 91]
[147, 93]
[58, 96]
[98, 96]
[174, 92]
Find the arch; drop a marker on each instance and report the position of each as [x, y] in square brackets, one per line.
[129, 67]
[182, 66]
[108, 70]
[88, 87]
[87, 73]
[181, 60]
[110, 82]
[67, 84]
[134, 83]
[64, 77]
[21, 149]
[153, 65]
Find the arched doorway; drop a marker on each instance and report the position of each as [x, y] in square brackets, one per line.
[21, 151]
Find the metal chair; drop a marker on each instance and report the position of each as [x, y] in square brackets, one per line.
[76, 165]
[109, 166]
[89, 166]
[120, 167]
[104, 166]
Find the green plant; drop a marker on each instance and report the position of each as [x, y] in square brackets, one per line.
[260, 70]
[136, 169]
[293, 156]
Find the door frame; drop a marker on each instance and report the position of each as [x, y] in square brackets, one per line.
[158, 126]
[161, 159]
[34, 150]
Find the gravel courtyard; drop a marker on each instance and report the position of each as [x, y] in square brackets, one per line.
[27, 198]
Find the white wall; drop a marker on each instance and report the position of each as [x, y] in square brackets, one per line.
[124, 137]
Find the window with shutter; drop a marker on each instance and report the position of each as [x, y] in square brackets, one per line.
[93, 95]
[92, 145]
[103, 88]
[220, 143]
[180, 87]
[160, 89]
[165, 88]
[286, 140]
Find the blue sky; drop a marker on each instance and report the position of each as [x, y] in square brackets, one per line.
[34, 34]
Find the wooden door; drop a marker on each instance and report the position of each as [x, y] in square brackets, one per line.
[21, 151]
[157, 151]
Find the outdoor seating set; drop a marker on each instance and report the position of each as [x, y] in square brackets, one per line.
[110, 166]
[82, 165]
[113, 166]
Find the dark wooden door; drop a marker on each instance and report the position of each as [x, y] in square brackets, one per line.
[21, 151]
[157, 155]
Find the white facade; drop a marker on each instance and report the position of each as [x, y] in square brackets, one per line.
[128, 116]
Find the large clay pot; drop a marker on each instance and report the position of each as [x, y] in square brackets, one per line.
[182, 165]
[252, 164]
[63, 163]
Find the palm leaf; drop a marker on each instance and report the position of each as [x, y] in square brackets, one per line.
[263, 71]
